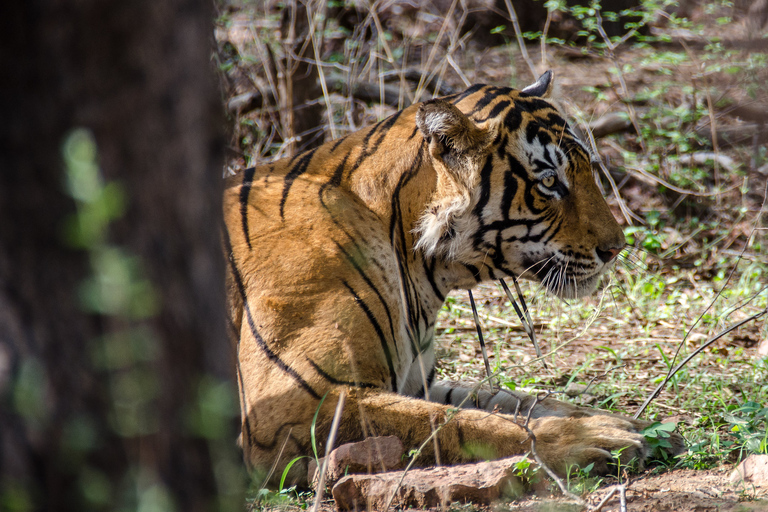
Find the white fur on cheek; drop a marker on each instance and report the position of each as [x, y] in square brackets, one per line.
[436, 223]
[452, 216]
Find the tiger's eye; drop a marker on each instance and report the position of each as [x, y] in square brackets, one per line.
[548, 181]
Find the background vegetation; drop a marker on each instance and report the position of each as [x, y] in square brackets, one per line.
[671, 95]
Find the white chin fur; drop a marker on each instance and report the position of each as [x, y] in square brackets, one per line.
[577, 290]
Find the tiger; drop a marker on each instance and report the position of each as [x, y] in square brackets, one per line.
[340, 258]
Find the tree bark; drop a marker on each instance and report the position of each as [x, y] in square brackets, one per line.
[102, 409]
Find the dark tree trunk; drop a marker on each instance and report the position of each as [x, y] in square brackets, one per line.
[108, 407]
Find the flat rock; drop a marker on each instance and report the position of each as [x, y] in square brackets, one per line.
[762, 347]
[753, 469]
[480, 483]
[374, 455]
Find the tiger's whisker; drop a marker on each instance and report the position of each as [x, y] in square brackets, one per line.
[482, 340]
[524, 315]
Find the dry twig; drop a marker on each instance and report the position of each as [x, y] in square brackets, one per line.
[328, 447]
[519, 36]
[599, 506]
[693, 354]
[559, 481]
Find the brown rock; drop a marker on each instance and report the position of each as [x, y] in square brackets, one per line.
[762, 347]
[753, 469]
[374, 455]
[479, 483]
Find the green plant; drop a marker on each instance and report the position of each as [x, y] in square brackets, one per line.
[312, 429]
[580, 481]
[622, 467]
[748, 424]
[657, 436]
[525, 468]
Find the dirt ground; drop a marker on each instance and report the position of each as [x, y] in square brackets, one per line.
[674, 491]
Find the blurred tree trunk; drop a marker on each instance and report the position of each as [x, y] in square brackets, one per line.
[121, 408]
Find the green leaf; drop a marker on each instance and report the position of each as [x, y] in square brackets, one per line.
[314, 423]
[288, 468]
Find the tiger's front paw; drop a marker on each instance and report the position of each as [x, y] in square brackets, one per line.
[600, 442]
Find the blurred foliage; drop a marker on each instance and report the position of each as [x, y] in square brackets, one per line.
[124, 359]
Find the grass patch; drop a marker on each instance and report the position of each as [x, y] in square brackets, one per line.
[628, 337]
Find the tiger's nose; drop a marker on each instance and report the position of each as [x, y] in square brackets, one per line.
[609, 254]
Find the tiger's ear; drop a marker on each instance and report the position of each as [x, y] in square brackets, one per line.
[441, 122]
[543, 87]
[454, 139]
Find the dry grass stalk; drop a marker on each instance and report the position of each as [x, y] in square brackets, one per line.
[328, 448]
[696, 352]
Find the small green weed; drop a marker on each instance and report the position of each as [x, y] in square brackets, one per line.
[525, 469]
[579, 481]
[657, 436]
[312, 429]
[290, 498]
[748, 424]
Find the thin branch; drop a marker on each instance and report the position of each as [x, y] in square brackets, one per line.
[679, 190]
[656, 179]
[320, 71]
[274, 465]
[433, 52]
[712, 117]
[490, 318]
[712, 302]
[623, 497]
[691, 356]
[599, 506]
[543, 39]
[625, 211]
[328, 447]
[458, 70]
[383, 41]
[604, 374]
[620, 75]
[563, 487]
[519, 36]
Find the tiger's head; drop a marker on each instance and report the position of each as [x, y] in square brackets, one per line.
[516, 192]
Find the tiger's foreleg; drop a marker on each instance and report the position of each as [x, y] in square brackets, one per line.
[524, 407]
[466, 434]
